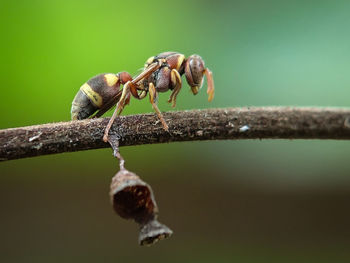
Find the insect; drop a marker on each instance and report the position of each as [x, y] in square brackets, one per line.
[160, 74]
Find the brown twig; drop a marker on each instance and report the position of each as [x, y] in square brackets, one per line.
[113, 140]
[212, 124]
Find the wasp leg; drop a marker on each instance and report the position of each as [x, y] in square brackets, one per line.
[128, 89]
[153, 97]
[210, 83]
[124, 99]
[177, 83]
[142, 94]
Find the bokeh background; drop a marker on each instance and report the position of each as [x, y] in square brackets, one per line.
[227, 201]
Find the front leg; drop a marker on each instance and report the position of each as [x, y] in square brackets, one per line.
[153, 98]
[177, 84]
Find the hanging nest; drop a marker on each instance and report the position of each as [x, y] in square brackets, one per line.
[132, 198]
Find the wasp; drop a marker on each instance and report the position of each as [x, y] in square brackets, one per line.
[160, 74]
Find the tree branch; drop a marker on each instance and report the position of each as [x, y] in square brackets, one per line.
[212, 124]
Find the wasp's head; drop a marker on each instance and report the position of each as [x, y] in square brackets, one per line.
[194, 71]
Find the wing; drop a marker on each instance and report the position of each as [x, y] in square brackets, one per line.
[144, 74]
[108, 105]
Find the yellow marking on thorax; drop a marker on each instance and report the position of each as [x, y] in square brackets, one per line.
[111, 79]
[92, 95]
[179, 61]
[150, 60]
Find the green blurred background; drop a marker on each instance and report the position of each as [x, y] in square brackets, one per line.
[242, 201]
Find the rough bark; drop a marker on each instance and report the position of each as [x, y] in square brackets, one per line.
[211, 124]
